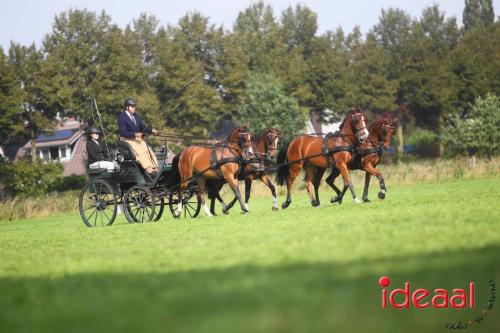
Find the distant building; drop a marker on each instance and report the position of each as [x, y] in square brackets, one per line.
[314, 126]
[66, 144]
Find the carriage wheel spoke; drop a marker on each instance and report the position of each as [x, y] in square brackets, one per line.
[90, 216]
[107, 217]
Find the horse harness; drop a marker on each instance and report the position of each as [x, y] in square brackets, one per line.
[216, 163]
[327, 152]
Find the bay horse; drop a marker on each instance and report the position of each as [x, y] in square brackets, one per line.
[219, 162]
[367, 157]
[310, 152]
[265, 147]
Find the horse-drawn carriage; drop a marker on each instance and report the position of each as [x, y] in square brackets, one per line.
[129, 189]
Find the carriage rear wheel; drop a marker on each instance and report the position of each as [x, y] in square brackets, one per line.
[97, 203]
[190, 203]
[159, 205]
[139, 204]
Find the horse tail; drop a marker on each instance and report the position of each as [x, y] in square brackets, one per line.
[175, 175]
[283, 166]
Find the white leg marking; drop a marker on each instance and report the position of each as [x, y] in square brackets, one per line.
[179, 209]
[275, 202]
[207, 210]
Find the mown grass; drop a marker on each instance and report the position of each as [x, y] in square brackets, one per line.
[302, 269]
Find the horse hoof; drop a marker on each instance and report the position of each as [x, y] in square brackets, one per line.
[314, 203]
[225, 211]
[275, 208]
[336, 199]
[245, 211]
[176, 215]
[366, 200]
[381, 195]
[356, 200]
[285, 204]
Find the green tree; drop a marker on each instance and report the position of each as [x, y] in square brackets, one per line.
[257, 31]
[186, 81]
[298, 28]
[370, 87]
[267, 105]
[475, 63]
[11, 122]
[88, 57]
[478, 13]
[39, 102]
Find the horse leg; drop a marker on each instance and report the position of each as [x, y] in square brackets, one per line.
[248, 187]
[201, 196]
[294, 172]
[233, 183]
[212, 206]
[267, 180]
[344, 171]
[330, 180]
[372, 170]
[368, 176]
[309, 185]
[317, 181]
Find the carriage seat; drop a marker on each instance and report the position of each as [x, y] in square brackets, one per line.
[125, 150]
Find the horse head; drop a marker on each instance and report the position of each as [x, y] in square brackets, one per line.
[387, 130]
[382, 130]
[242, 137]
[355, 124]
[269, 138]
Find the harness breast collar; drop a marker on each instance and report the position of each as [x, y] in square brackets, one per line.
[216, 163]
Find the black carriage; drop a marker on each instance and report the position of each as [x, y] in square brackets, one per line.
[128, 188]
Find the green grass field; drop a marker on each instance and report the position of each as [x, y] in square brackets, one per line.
[303, 269]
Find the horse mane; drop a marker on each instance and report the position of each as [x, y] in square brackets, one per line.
[375, 127]
[262, 133]
[342, 123]
[239, 129]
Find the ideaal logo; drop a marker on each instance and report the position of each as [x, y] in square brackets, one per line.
[422, 298]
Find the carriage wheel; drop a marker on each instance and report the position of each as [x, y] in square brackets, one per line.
[97, 203]
[139, 204]
[190, 203]
[159, 205]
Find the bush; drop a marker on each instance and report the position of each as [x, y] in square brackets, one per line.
[26, 178]
[424, 142]
[72, 182]
[478, 133]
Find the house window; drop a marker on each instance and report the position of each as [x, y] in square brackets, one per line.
[45, 154]
[54, 153]
[62, 152]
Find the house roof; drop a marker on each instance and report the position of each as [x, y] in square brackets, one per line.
[56, 135]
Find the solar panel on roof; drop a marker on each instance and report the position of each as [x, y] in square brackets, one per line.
[58, 135]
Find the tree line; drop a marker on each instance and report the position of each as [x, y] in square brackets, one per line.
[269, 69]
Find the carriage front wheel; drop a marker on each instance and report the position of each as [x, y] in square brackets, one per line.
[190, 203]
[97, 203]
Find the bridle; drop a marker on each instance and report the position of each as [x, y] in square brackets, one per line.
[356, 129]
[245, 144]
[270, 147]
[383, 132]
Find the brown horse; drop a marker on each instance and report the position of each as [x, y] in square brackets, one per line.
[220, 162]
[367, 157]
[310, 152]
[265, 147]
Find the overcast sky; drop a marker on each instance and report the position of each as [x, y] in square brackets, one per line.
[27, 21]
